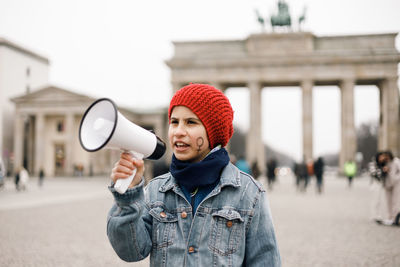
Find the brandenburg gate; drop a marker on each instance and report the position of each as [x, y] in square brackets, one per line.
[304, 60]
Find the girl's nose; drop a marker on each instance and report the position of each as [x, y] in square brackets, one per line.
[180, 129]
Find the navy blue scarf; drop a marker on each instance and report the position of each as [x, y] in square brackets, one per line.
[199, 174]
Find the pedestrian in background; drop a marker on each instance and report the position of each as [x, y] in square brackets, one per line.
[204, 212]
[296, 171]
[255, 171]
[23, 179]
[242, 165]
[378, 176]
[350, 170]
[310, 171]
[303, 176]
[2, 174]
[392, 187]
[41, 177]
[16, 179]
[319, 172]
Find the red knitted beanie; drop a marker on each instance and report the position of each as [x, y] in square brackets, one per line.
[211, 106]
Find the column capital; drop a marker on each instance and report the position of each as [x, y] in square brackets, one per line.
[218, 85]
[253, 83]
[307, 83]
[349, 81]
[391, 78]
[39, 114]
[69, 114]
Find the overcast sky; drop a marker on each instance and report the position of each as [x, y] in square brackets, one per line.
[117, 49]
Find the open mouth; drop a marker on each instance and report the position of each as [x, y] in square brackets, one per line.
[180, 145]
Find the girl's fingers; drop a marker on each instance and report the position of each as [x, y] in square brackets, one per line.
[127, 156]
[138, 163]
[125, 167]
[126, 163]
[121, 171]
[115, 175]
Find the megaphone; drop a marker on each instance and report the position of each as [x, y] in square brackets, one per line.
[103, 126]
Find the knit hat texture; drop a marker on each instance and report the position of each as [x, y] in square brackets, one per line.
[211, 106]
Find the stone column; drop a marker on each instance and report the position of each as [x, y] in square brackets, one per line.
[39, 142]
[348, 134]
[18, 140]
[218, 85]
[1, 132]
[307, 86]
[389, 116]
[69, 142]
[254, 143]
[30, 145]
[222, 87]
[382, 103]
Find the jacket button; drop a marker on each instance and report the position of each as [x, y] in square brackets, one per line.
[184, 215]
[163, 214]
[229, 224]
[191, 249]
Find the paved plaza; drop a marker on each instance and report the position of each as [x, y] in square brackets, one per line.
[63, 223]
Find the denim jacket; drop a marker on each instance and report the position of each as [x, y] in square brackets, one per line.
[232, 226]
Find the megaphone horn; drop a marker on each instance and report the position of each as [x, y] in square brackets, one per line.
[103, 126]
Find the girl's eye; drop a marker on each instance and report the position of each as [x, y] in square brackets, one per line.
[191, 122]
[174, 121]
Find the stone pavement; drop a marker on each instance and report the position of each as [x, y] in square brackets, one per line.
[332, 229]
[63, 223]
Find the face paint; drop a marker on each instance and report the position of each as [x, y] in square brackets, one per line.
[200, 142]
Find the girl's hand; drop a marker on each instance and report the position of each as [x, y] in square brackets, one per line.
[124, 168]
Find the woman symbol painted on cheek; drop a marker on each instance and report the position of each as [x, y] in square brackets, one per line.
[200, 142]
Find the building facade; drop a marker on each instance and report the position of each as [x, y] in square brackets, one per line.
[20, 71]
[46, 131]
[39, 123]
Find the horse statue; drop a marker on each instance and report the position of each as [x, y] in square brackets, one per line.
[283, 17]
[260, 20]
[302, 17]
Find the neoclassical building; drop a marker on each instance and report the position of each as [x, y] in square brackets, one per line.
[21, 70]
[304, 60]
[39, 123]
[46, 133]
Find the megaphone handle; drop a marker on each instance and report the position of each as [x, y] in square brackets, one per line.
[121, 185]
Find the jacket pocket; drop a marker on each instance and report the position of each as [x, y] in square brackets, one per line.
[226, 232]
[164, 227]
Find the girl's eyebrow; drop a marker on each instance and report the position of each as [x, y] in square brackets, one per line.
[192, 118]
[189, 118]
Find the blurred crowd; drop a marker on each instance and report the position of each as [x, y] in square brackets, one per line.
[384, 170]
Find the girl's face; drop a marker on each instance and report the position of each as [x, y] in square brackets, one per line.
[187, 135]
